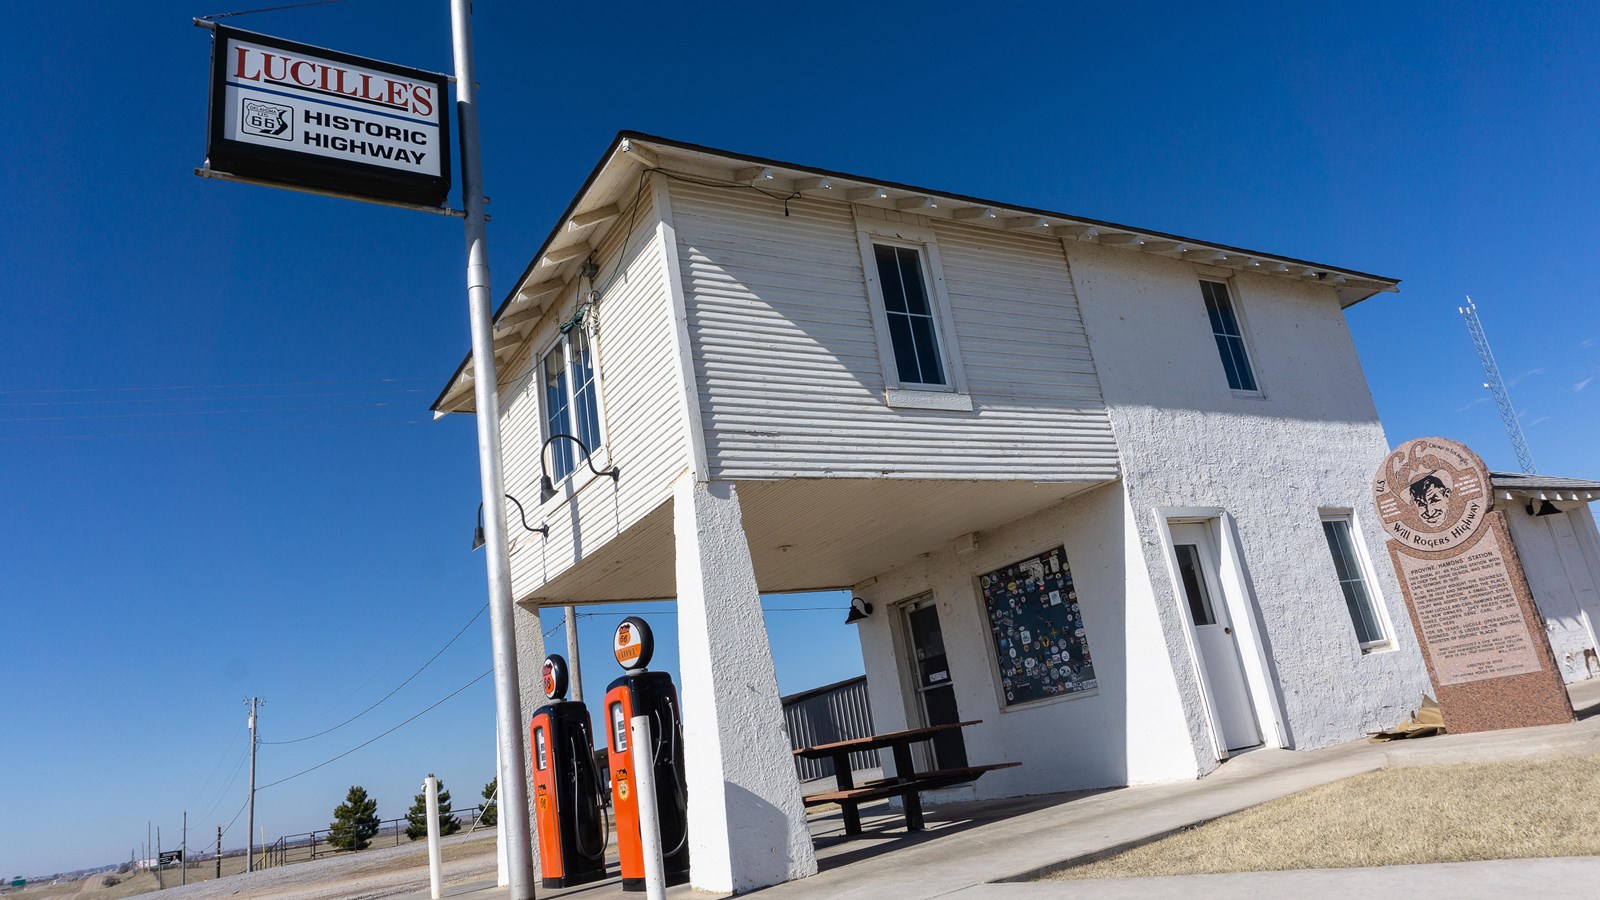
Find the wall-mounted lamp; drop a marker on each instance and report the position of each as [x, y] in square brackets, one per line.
[1546, 508]
[546, 488]
[477, 533]
[859, 609]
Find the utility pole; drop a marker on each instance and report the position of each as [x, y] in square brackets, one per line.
[508, 700]
[183, 861]
[219, 851]
[250, 818]
[574, 669]
[160, 882]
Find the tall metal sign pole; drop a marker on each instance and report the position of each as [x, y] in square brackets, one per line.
[508, 702]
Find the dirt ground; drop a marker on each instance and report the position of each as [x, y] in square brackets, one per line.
[1399, 816]
[362, 876]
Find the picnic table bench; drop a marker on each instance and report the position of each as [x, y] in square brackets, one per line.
[907, 782]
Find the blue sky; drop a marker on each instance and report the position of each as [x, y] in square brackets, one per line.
[217, 474]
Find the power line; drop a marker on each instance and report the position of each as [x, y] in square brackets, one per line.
[198, 431]
[209, 387]
[262, 9]
[372, 674]
[214, 769]
[205, 399]
[383, 735]
[234, 776]
[194, 412]
[235, 818]
[393, 692]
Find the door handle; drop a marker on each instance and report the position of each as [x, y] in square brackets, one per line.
[1227, 630]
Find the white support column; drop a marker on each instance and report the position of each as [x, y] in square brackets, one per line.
[747, 826]
[530, 663]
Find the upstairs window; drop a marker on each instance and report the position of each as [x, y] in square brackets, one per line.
[1229, 337]
[913, 330]
[571, 401]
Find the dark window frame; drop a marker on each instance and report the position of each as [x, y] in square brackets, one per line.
[1227, 330]
[938, 320]
[1355, 580]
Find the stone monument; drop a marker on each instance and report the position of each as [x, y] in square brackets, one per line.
[1481, 636]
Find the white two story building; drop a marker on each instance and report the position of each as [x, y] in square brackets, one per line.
[1104, 488]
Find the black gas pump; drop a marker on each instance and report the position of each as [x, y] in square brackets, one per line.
[566, 785]
[642, 693]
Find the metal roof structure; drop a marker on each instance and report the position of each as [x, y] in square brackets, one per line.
[1544, 487]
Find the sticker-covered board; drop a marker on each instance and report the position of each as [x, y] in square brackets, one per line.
[1038, 630]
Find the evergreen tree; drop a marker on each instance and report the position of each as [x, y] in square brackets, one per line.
[355, 821]
[417, 816]
[491, 808]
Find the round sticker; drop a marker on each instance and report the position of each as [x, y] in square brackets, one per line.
[554, 677]
[633, 644]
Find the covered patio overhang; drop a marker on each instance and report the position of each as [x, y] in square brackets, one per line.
[807, 534]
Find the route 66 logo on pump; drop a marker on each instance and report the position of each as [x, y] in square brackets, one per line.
[633, 644]
[553, 677]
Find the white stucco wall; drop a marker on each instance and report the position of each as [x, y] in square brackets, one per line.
[1273, 463]
[1568, 608]
[1130, 730]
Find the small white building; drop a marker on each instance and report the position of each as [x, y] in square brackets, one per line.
[1559, 546]
[1106, 489]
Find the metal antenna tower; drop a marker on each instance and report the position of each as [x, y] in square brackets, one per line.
[1497, 386]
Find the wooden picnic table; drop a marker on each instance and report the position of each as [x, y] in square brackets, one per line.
[907, 783]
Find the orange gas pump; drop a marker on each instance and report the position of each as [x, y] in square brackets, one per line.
[566, 786]
[640, 692]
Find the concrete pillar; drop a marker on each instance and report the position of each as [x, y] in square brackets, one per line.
[747, 826]
[530, 663]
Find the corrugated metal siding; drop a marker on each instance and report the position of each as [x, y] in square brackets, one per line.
[789, 376]
[822, 718]
[643, 427]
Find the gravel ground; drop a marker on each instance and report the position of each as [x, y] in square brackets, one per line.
[361, 876]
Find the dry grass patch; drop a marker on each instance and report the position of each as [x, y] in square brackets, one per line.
[1425, 814]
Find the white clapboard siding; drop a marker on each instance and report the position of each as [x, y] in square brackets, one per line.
[643, 426]
[790, 382]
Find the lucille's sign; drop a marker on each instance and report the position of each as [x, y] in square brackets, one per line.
[307, 117]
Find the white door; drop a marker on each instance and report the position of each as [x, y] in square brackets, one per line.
[1577, 568]
[1218, 646]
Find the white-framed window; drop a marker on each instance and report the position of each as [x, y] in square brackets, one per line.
[1355, 579]
[911, 313]
[570, 400]
[1229, 335]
